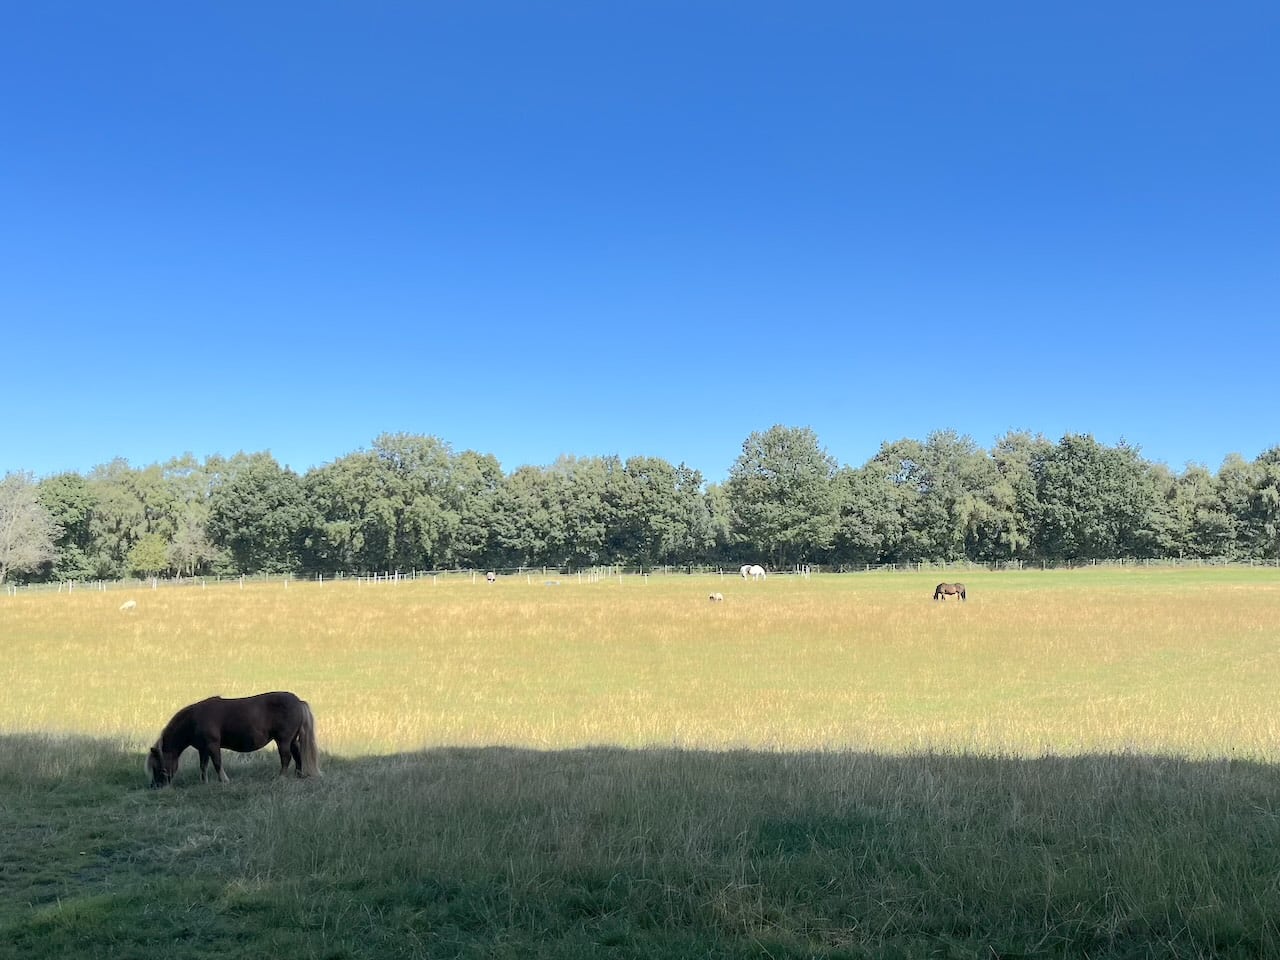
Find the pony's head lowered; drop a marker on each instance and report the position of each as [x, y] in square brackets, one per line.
[160, 772]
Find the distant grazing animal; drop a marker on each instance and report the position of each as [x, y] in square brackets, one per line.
[755, 572]
[128, 605]
[944, 590]
[242, 724]
[491, 576]
[716, 597]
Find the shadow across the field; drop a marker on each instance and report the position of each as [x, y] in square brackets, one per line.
[656, 852]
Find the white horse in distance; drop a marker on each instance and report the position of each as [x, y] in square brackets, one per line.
[752, 571]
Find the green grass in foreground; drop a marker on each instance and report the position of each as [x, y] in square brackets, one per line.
[649, 853]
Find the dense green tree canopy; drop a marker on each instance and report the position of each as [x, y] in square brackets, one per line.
[782, 496]
[411, 502]
[260, 516]
[71, 505]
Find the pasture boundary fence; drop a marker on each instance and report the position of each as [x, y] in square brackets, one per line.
[555, 576]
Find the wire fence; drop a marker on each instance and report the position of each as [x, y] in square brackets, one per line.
[552, 575]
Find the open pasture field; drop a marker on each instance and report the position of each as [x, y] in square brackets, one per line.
[1069, 764]
[1171, 661]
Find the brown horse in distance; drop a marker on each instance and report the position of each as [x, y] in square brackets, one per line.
[242, 724]
[944, 590]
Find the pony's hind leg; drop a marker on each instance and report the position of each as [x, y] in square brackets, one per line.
[288, 749]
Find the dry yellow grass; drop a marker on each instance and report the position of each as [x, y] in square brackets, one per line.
[1176, 662]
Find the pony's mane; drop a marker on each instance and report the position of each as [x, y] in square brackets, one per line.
[167, 733]
[174, 721]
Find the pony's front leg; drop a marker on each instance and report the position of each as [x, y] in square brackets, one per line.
[215, 752]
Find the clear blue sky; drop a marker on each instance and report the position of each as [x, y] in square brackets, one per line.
[595, 228]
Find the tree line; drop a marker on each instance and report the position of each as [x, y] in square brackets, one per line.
[412, 502]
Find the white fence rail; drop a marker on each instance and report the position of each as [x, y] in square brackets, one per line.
[597, 574]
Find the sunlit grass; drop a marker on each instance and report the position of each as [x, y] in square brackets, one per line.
[1076, 764]
[1168, 661]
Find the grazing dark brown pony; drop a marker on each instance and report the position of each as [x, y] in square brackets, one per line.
[242, 724]
[944, 590]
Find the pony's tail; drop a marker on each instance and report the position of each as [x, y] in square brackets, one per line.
[308, 747]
